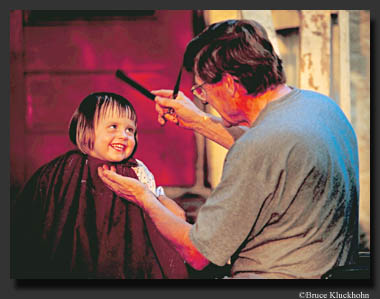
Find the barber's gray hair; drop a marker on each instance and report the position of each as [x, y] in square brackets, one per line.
[240, 48]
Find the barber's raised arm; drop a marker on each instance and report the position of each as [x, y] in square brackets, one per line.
[188, 115]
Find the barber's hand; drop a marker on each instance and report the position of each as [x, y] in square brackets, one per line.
[126, 187]
[186, 113]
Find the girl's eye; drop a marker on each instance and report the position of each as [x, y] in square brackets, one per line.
[113, 126]
[132, 130]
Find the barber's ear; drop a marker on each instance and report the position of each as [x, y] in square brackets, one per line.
[231, 83]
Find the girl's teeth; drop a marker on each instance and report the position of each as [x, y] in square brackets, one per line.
[118, 147]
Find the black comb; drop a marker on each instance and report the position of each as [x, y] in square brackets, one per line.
[135, 85]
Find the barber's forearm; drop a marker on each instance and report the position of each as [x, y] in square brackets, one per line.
[172, 206]
[176, 231]
[212, 128]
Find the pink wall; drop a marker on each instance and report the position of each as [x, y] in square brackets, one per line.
[65, 62]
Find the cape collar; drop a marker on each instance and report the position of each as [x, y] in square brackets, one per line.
[95, 162]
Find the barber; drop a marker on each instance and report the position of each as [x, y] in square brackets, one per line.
[287, 202]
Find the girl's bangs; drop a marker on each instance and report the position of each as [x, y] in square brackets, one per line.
[110, 107]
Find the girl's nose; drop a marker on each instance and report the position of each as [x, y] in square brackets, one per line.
[123, 134]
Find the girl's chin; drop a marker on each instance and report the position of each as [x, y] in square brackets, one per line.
[118, 157]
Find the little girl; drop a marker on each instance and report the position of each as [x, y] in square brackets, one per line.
[68, 224]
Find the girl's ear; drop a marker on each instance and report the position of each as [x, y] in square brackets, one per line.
[136, 143]
[136, 137]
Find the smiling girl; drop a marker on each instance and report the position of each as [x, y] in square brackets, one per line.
[67, 224]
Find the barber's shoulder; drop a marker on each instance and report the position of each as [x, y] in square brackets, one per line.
[248, 145]
[253, 138]
[266, 141]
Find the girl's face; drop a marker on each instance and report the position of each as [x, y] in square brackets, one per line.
[114, 138]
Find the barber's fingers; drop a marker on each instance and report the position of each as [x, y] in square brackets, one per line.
[166, 103]
[165, 113]
[167, 116]
[166, 93]
[108, 173]
[171, 117]
[160, 109]
[122, 186]
[106, 167]
[161, 120]
[161, 112]
[107, 176]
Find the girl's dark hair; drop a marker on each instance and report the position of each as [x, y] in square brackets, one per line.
[240, 48]
[93, 107]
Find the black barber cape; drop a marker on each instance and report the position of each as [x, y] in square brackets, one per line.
[67, 224]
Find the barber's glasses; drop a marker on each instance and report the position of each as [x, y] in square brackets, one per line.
[200, 92]
[197, 90]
